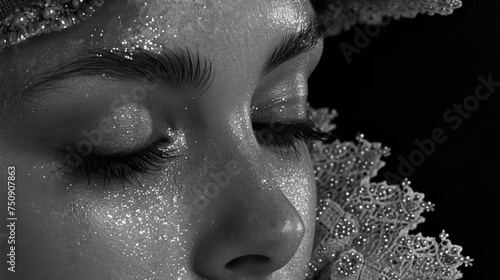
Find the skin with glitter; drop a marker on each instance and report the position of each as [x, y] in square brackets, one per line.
[225, 207]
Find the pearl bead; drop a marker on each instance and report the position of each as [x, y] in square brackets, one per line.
[49, 13]
[20, 20]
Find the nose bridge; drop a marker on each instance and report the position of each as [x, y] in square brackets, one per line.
[233, 160]
[231, 168]
[232, 163]
[223, 146]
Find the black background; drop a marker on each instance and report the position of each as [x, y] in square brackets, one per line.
[397, 89]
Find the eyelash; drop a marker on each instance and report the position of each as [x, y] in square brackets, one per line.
[282, 138]
[285, 138]
[124, 168]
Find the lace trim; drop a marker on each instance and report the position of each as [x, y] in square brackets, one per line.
[341, 15]
[362, 227]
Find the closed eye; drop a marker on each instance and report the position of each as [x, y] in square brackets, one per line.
[124, 168]
[284, 138]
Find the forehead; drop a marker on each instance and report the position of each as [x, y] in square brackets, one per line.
[234, 30]
[223, 21]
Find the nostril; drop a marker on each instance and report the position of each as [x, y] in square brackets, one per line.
[248, 262]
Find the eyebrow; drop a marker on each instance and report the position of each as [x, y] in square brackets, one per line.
[177, 67]
[295, 44]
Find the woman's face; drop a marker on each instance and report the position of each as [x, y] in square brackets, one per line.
[118, 177]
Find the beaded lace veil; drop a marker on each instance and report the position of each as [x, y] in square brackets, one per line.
[362, 227]
[340, 15]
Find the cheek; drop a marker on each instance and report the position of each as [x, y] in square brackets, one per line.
[120, 231]
[136, 225]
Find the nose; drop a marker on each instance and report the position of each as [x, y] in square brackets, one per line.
[256, 233]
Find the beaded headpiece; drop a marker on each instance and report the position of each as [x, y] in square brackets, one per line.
[23, 19]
